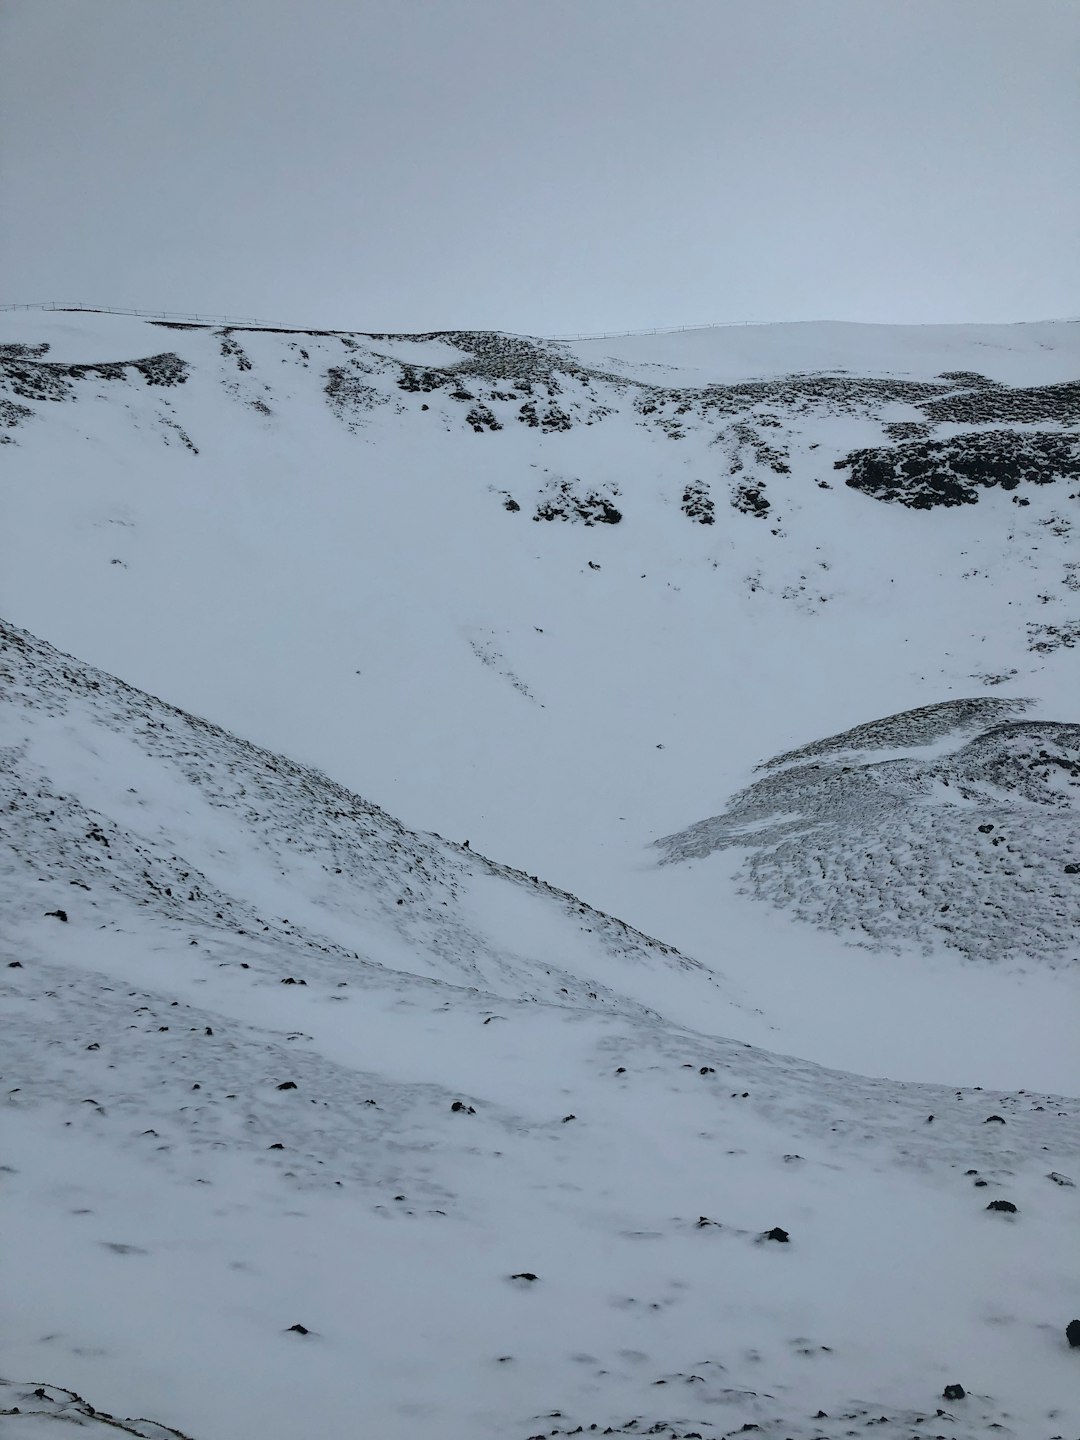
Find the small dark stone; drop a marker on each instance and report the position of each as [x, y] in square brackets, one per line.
[524, 1275]
[565, 1118]
[15, 965]
[706, 1070]
[459, 1107]
[1005, 1206]
[298, 1330]
[287, 1085]
[994, 1120]
[276, 1146]
[620, 1071]
[953, 1392]
[777, 1234]
[58, 915]
[1072, 1333]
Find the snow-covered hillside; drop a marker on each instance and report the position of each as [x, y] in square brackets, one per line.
[681, 1113]
[561, 600]
[975, 846]
[436, 1153]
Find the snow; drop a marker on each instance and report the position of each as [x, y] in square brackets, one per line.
[1038, 353]
[312, 561]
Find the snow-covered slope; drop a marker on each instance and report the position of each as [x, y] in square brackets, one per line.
[975, 844]
[561, 600]
[317, 1125]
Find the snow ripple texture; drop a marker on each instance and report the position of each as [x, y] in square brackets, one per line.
[975, 845]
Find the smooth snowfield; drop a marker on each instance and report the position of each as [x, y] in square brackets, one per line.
[335, 574]
[202, 1155]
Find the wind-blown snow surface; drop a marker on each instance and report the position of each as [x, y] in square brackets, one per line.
[561, 600]
[976, 845]
[452, 1123]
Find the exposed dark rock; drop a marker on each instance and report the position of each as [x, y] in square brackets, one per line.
[1072, 1334]
[750, 500]
[697, 503]
[58, 915]
[1005, 1206]
[565, 503]
[953, 1392]
[776, 1233]
[924, 474]
[1001, 403]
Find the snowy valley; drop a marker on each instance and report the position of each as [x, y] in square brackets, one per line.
[539, 881]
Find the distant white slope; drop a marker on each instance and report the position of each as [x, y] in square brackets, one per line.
[559, 600]
[1039, 353]
[467, 1143]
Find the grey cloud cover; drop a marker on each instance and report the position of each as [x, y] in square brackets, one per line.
[561, 165]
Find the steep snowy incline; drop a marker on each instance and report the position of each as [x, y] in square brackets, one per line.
[458, 1167]
[560, 600]
[258, 835]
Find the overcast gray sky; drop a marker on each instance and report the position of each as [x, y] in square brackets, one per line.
[543, 165]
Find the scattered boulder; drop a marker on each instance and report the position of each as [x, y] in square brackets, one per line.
[58, 915]
[953, 1392]
[1072, 1334]
[298, 1330]
[287, 1085]
[1005, 1206]
[525, 1275]
[776, 1233]
[460, 1108]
